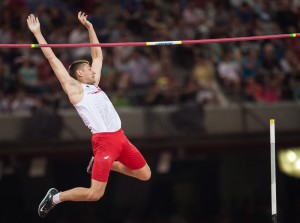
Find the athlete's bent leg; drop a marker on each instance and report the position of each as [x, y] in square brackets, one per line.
[143, 173]
[94, 193]
[53, 197]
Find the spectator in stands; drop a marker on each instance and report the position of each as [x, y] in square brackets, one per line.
[21, 102]
[221, 19]
[253, 90]
[272, 90]
[290, 62]
[193, 15]
[181, 31]
[246, 13]
[120, 98]
[291, 68]
[77, 35]
[263, 11]
[119, 31]
[175, 10]
[250, 64]
[28, 77]
[108, 74]
[123, 53]
[161, 92]
[155, 66]
[229, 70]
[270, 64]
[98, 19]
[155, 22]
[205, 74]
[138, 69]
[132, 12]
[286, 17]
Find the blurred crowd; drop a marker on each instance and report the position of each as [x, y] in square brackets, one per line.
[265, 71]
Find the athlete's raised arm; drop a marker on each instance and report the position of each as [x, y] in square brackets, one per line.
[69, 84]
[96, 52]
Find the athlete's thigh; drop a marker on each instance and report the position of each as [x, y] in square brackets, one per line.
[101, 166]
[131, 157]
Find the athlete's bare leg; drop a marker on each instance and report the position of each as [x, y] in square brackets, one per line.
[53, 197]
[97, 189]
[143, 173]
[94, 193]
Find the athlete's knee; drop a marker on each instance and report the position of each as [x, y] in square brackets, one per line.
[146, 175]
[95, 195]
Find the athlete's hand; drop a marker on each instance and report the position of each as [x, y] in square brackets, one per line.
[33, 24]
[83, 19]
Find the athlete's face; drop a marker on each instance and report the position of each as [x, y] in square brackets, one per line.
[88, 75]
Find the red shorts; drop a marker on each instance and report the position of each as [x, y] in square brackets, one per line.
[111, 146]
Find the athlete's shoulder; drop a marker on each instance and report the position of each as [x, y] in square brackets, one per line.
[75, 92]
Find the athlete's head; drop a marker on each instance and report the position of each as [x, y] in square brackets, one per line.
[82, 71]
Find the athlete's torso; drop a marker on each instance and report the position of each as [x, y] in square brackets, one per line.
[97, 111]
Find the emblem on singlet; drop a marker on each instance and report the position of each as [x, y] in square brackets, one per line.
[93, 90]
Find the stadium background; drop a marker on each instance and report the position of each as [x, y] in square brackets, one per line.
[200, 114]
